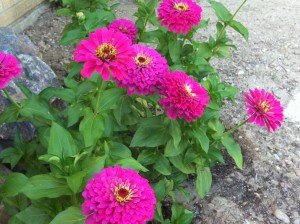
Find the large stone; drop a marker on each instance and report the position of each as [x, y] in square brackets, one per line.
[37, 75]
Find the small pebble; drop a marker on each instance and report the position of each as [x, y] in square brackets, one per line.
[281, 215]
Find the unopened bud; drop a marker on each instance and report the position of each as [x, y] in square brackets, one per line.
[80, 15]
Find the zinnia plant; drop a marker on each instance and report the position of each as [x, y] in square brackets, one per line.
[140, 115]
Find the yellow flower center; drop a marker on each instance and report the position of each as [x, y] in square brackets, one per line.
[106, 52]
[265, 106]
[142, 60]
[189, 90]
[181, 7]
[123, 29]
[123, 193]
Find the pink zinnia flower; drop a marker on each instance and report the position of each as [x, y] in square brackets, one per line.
[147, 72]
[105, 51]
[9, 68]
[264, 108]
[179, 15]
[125, 26]
[116, 196]
[184, 97]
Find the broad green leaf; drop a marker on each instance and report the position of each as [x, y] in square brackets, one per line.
[61, 143]
[119, 151]
[109, 98]
[222, 51]
[93, 165]
[14, 220]
[71, 36]
[33, 215]
[34, 107]
[131, 163]
[216, 125]
[75, 181]
[9, 115]
[64, 94]
[175, 50]
[177, 161]
[180, 215]
[91, 127]
[54, 160]
[13, 185]
[11, 155]
[163, 166]
[172, 150]
[160, 190]
[74, 113]
[45, 186]
[239, 28]
[148, 156]
[151, 133]
[64, 12]
[221, 11]
[203, 50]
[204, 180]
[202, 138]
[233, 149]
[72, 215]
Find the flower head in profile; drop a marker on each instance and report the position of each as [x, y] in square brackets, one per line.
[9, 69]
[179, 15]
[106, 51]
[125, 26]
[184, 97]
[147, 72]
[118, 195]
[264, 109]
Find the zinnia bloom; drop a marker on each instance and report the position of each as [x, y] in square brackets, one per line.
[179, 15]
[264, 109]
[125, 26]
[184, 97]
[147, 72]
[117, 196]
[105, 51]
[9, 68]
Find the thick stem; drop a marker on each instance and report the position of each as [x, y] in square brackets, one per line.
[10, 98]
[74, 199]
[98, 97]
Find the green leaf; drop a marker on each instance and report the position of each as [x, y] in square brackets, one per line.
[91, 127]
[222, 51]
[203, 50]
[13, 185]
[64, 94]
[131, 163]
[14, 220]
[61, 143]
[204, 180]
[200, 135]
[34, 107]
[109, 98]
[160, 190]
[54, 160]
[221, 11]
[72, 215]
[46, 186]
[239, 28]
[180, 215]
[64, 12]
[33, 215]
[172, 150]
[163, 166]
[11, 155]
[75, 181]
[151, 133]
[9, 115]
[177, 161]
[148, 156]
[93, 165]
[72, 35]
[119, 151]
[175, 50]
[233, 149]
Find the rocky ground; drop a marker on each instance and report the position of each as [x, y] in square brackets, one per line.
[267, 189]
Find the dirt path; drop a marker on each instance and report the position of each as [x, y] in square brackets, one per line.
[267, 190]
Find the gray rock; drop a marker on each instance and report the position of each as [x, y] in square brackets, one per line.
[36, 76]
[281, 216]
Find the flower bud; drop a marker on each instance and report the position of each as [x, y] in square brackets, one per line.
[80, 15]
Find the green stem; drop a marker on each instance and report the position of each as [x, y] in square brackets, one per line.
[226, 24]
[74, 199]
[11, 99]
[230, 131]
[98, 96]
[146, 21]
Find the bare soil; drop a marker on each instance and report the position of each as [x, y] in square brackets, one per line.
[269, 183]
